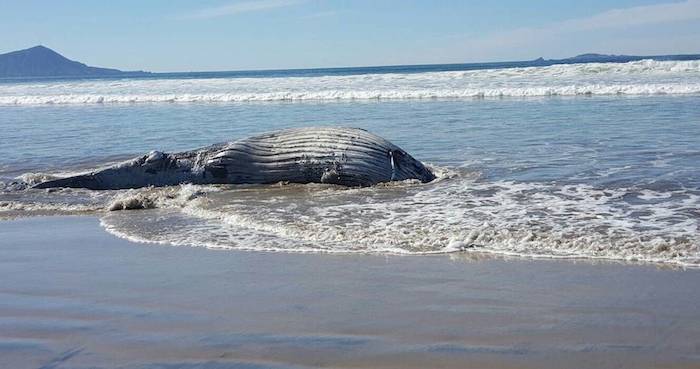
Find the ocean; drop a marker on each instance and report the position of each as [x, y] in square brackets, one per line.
[581, 161]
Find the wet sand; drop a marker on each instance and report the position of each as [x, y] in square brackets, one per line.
[73, 296]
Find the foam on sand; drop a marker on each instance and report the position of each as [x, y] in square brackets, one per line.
[457, 214]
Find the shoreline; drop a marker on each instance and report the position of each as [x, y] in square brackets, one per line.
[469, 253]
[75, 296]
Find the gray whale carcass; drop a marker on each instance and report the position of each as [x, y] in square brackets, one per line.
[342, 156]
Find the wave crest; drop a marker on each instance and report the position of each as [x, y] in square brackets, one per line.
[646, 77]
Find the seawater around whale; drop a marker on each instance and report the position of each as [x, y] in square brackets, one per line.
[342, 156]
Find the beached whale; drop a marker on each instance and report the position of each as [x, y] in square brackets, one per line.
[342, 156]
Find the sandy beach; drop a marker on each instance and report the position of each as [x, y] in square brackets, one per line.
[74, 296]
[292, 184]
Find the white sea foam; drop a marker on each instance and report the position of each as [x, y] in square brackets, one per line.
[149, 198]
[31, 202]
[48, 208]
[457, 214]
[646, 77]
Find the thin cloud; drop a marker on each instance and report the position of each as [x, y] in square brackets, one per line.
[619, 18]
[636, 16]
[524, 41]
[240, 7]
[323, 14]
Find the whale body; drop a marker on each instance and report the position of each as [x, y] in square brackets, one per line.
[342, 156]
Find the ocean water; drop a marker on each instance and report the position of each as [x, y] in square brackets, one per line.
[597, 160]
[641, 77]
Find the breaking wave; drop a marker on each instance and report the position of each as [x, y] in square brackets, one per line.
[646, 77]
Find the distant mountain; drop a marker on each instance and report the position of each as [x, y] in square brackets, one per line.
[606, 58]
[40, 61]
[592, 57]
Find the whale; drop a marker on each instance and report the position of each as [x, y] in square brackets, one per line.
[343, 156]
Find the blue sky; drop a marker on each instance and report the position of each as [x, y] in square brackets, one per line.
[182, 35]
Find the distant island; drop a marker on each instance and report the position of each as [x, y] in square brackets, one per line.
[40, 61]
[607, 58]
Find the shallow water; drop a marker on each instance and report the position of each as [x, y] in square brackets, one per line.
[583, 176]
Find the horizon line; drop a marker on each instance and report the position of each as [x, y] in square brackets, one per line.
[696, 55]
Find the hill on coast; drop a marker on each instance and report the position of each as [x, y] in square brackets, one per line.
[40, 61]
